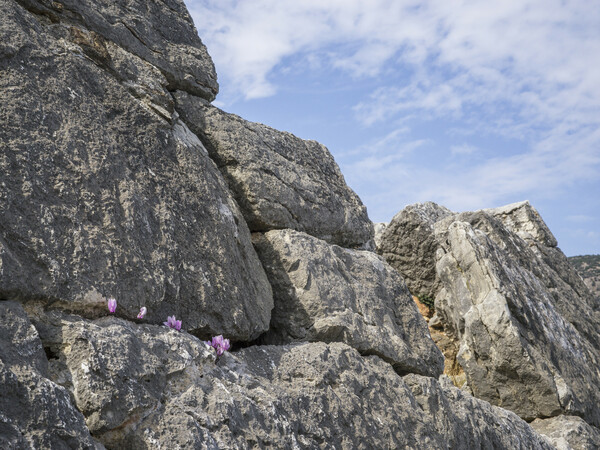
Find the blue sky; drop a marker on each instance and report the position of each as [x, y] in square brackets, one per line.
[470, 104]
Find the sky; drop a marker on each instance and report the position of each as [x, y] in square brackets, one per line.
[470, 104]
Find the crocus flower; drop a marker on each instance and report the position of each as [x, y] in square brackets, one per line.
[112, 305]
[173, 323]
[142, 312]
[219, 344]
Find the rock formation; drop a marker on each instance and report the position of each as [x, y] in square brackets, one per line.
[527, 335]
[279, 180]
[104, 192]
[326, 293]
[119, 179]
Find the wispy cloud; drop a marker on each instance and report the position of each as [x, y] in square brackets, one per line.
[524, 71]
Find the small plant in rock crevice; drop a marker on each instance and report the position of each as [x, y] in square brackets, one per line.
[427, 300]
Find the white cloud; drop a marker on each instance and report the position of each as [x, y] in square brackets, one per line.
[518, 69]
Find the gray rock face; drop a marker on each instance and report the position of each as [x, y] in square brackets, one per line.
[103, 192]
[327, 293]
[378, 229]
[161, 33]
[299, 396]
[568, 433]
[467, 422]
[34, 411]
[279, 180]
[522, 345]
[408, 245]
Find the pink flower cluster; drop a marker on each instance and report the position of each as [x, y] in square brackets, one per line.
[219, 344]
[171, 322]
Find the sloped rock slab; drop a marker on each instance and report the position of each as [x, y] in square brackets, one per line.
[327, 293]
[145, 386]
[103, 192]
[279, 180]
[34, 411]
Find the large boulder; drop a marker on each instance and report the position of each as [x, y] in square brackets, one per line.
[527, 336]
[160, 32]
[143, 386]
[568, 433]
[408, 245]
[35, 412]
[104, 192]
[279, 180]
[327, 293]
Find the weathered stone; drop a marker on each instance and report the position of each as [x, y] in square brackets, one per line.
[571, 296]
[467, 422]
[279, 180]
[378, 229]
[408, 245]
[34, 411]
[327, 293]
[118, 371]
[161, 32]
[103, 192]
[524, 220]
[528, 336]
[171, 392]
[568, 433]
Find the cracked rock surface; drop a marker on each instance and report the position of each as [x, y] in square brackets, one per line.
[279, 180]
[143, 386]
[327, 293]
[528, 337]
[104, 192]
[35, 412]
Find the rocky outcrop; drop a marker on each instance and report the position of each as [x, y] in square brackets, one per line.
[103, 191]
[498, 290]
[172, 391]
[35, 412]
[408, 245]
[588, 267]
[568, 433]
[378, 229]
[279, 180]
[107, 190]
[161, 33]
[327, 293]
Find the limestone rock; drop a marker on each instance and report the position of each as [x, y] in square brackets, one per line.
[103, 191]
[528, 336]
[279, 180]
[568, 432]
[467, 422]
[327, 293]
[161, 33]
[378, 229]
[524, 220]
[34, 411]
[172, 392]
[409, 246]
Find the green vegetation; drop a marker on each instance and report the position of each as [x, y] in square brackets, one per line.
[426, 300]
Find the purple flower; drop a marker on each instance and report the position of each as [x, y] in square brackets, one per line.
[173, 323]
[112, 305]
[219, 344]
[143, 312]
